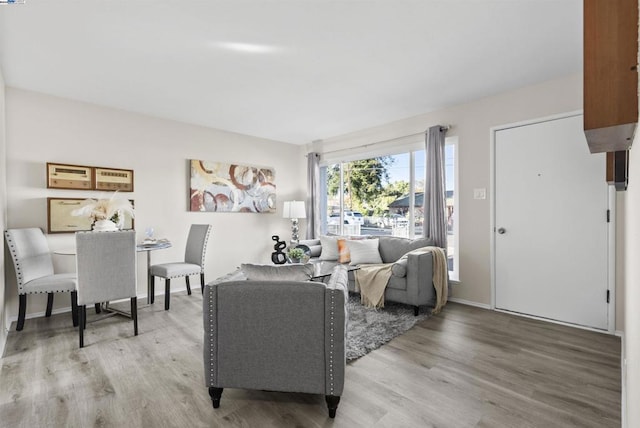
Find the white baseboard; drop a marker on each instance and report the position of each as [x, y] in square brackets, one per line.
[469, 303]
[32, 315]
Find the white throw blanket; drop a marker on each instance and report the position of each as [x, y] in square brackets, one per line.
[372, 279]
[440, 275]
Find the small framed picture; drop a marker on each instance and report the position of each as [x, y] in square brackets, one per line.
[112, 179]
[74, 177]
[59, 218]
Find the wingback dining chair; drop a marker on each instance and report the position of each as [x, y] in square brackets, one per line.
[106, 265]
[193, 263]
[34, 271]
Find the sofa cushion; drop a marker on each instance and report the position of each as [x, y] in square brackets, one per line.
[392, 248]
[329, 248]
[364, 251]
[294, 272]
[397, 283]
[399, 268]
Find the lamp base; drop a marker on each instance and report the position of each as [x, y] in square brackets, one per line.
[295, 240]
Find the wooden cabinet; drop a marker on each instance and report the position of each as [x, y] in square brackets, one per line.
[610, 73]
[618, 169]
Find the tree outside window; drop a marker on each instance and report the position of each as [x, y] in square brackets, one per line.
[373, 196]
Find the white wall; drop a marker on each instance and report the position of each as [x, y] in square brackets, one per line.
[631, 338]
[632, 291]
[471, 124]
[3, 216]
[42, 129]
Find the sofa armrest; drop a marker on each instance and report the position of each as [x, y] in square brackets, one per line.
[420, 276]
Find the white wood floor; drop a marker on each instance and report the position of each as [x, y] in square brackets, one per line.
[466, 367]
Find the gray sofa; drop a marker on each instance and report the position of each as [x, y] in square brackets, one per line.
[276, 335]
[411, 281]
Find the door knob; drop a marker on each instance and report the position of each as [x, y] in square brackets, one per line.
[501, 230]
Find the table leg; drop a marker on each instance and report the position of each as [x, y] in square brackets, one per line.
[148, 277]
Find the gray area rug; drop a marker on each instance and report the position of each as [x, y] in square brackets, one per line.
[368, 329]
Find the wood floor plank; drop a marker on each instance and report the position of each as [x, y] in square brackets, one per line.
[466, 367]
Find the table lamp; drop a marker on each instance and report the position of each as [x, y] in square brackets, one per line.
[294, 210]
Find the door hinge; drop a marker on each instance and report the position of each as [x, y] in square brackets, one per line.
[608, 216]
[608, 295]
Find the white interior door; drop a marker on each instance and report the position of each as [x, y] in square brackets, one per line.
[551, 242]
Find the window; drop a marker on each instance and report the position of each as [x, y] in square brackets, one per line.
[383, 195]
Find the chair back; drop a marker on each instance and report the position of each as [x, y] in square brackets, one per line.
[106, 266]
[30, 253]
[197, 244]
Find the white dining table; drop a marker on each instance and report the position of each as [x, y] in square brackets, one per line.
[148, 248]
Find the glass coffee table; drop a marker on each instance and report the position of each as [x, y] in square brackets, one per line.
[323, 269]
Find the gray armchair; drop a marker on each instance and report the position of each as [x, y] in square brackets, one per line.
[276, 335]
[34, 271]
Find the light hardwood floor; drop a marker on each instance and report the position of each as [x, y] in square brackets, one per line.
[466, 367]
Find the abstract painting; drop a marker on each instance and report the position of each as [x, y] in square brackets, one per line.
[225, 187]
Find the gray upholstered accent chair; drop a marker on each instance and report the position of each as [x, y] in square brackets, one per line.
[106, 265]
[284, 336]
[193, 263]
[34, 271]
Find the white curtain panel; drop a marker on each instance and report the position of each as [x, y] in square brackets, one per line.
[435, 222]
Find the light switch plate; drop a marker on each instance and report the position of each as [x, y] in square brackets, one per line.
[480, 193]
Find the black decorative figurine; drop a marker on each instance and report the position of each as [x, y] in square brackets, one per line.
[278, 257]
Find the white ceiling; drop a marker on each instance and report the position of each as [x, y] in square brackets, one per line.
[325, 67]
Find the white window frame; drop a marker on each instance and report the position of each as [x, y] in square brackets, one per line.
[454, 275]
[372, 151]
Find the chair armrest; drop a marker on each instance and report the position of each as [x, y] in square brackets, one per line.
[336, 318]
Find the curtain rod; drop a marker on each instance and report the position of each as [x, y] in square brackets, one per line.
[444, 128]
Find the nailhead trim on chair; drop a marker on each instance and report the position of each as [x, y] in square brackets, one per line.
[206, 241]
[12, 248]
[18, 269]
[331, 339]
[212, 327]
[180, 276]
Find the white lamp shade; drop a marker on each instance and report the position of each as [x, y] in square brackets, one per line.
[294, 209]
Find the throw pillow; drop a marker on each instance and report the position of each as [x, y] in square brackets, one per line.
[329, 248]
[343, 251]
[315, 250]
[277, 273]
[364, 251]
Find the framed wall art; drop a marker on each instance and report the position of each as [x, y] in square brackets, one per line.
[113, 179]
[228, 187]
[60, 220]
[82, 177]
[76, 177]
